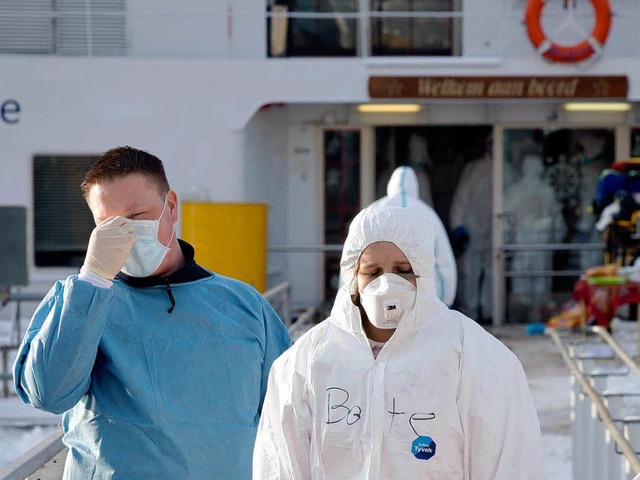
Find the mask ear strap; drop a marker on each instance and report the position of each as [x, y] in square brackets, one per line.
[164, 205]
[173, 230]
[173, 234]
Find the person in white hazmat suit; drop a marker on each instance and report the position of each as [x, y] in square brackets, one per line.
[403, 191]
[394, 384]
[470, 217]
[538, 219]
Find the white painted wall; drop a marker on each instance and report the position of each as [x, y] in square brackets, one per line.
[197, 28]
[305, 226]
[266, 166]
[199, 116]
[480, 32]
[248, 33]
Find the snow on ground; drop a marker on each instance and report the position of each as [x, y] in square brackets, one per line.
[21, 428]
[16, 441]
[548, 379]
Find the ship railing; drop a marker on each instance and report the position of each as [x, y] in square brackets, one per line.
[605, 404]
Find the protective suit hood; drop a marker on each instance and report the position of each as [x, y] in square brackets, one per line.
[408, 230]
[403, 181]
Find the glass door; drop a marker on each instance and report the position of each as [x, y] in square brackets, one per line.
[549, 226]
[453, 168]
[341, 151]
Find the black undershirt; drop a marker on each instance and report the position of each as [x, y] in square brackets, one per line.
[188, 273]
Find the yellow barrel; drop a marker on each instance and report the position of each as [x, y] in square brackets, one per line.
[229, 238]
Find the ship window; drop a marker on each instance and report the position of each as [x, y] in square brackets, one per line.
[63, 27]
[90, 27]
[417, 33]
[26, 26]
[294, 31]
[62, 221]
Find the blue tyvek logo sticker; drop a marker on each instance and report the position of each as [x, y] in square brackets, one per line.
[423, 448]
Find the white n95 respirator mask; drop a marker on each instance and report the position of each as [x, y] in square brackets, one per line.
[386, 299]
[147, 253]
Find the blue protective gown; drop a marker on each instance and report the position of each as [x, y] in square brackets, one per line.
[148, 393]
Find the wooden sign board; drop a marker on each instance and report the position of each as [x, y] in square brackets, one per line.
[539, 87]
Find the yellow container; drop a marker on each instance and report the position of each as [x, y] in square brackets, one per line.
[229, 238]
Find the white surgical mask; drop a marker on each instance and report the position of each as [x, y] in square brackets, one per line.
[147, 253]
[386, 299]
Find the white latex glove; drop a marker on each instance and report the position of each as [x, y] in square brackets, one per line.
[109, 247]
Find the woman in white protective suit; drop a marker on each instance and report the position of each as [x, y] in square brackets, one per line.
[394, 385]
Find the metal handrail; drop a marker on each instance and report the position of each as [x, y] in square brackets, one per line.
[10, 295]
[542, 273]
[624, 356]
[225, 12]
[35, 458]
[20, 296]
[283, 290]
[280, 288]
[354, 14]
[302, 323]
[519, 247]
[603, 411]
[5, 375]
[332, 247]
[510, 248]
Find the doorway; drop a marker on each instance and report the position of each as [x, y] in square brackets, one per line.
[549, 185]
[341, 150]
[454, 169]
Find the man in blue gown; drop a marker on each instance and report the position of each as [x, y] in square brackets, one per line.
[159, 365]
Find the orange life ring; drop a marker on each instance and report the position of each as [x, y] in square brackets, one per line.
[567, 54]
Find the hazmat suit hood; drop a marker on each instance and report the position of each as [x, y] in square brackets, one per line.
[408, 230]
[403, 181]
